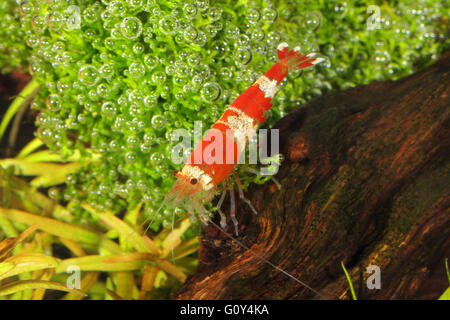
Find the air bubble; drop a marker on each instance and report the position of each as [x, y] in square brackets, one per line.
[273, 39]
[312, 21]
[381, 57]
[158, 122]
[258, 35]
[132, 141]
[116, 8]
[253, 16]
[270, 15]
[190, 10]
[88, 75]
[135, 97]
[149, 138]
[55, 21]
[340, 9]
[168, 25]
[107, 71]
[58, 46]
[211, 92]
[90, 15]
[210, 31]
[32, 40]
[138, 4]
[44, 42]
[231, 32]
[110, 43]
[156, 158]
[146, 147]
[103, 90]
[203, 70]
[109, 109]
[226, 73]
[158, 77]
[38, 24]
[130, 157]
[150, 101]
[138, 48]
[201, 39]
[131, 27]
[243, 55]
[197, 80]
[190, 34]
[53, 193]
[215, 13]
[243, 40]
[26, 7]
[53, 102]
[182, 70]
[151, 61]
[202, 4]
[136, 70]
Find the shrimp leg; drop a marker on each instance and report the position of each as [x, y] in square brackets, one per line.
[233, 207]
[223, 219]
[241, 194]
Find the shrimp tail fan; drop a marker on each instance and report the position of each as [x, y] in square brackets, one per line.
[295, 60]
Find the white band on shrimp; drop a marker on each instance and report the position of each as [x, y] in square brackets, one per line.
[195, 172]
[282, 46]
[267, 86]
[318, 60]
[242, 125]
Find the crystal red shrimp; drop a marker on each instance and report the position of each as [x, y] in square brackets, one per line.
[200, 177]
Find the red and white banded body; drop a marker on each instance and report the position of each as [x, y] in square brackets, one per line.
[204, 171]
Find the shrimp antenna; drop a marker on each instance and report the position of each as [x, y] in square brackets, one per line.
[265, 260]
[171, 234]
[154, 215]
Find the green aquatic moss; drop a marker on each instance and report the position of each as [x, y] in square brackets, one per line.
[117, 77]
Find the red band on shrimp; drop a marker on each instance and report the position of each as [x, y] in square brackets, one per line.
[277, 72]
[252, 105]
[306, 64]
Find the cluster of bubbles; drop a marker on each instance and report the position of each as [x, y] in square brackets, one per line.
[13, 50]
[118, 76]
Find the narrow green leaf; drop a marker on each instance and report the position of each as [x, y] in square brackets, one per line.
[135, 239]
[62, 229]
[27, 262]
[46, 156]
[99, 263]
[446, 268]
[7, 245]
[25, 193]
[21, 100]
[59, 176]
[52, 226]
[173, 239]
[26, 168]
[30, 147]
[35, 284]
[186, 248]
[6, 267]
[352, 290]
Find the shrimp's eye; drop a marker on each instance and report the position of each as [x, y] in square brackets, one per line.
[175, 172]
[193, 181]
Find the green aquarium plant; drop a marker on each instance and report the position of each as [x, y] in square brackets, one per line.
[116, 77]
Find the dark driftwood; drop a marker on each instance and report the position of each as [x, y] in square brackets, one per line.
[365, 181]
